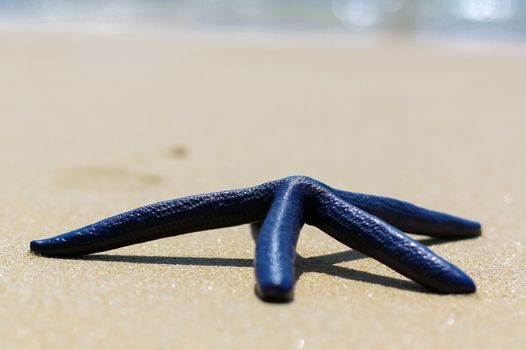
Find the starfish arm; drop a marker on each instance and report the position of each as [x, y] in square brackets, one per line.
[163, 219]
[276, 245]
[383, 242]
[411, 218]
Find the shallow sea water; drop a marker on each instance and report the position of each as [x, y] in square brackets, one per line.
[495, 20]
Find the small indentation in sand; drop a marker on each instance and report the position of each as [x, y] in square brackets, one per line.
[106, 177]
[179, 152]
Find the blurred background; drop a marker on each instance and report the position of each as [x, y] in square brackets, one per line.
[503, 20]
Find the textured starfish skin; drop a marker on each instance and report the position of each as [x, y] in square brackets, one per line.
[370, 224]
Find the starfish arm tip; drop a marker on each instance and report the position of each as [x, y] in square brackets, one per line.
[36, 247]
[43, 247]
[282, 291]
[472, 228]
[457, 282]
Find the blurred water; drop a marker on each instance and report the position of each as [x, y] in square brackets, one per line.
[474, 19]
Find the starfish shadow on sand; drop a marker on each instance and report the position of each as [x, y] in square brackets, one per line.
[325, 264]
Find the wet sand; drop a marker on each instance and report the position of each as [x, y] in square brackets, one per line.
[93, 125]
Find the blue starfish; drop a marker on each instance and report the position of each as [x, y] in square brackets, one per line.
[370, 224]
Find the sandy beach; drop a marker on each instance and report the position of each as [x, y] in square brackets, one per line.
[92, 125]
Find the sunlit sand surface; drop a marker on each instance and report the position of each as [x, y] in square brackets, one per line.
[93, 125]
